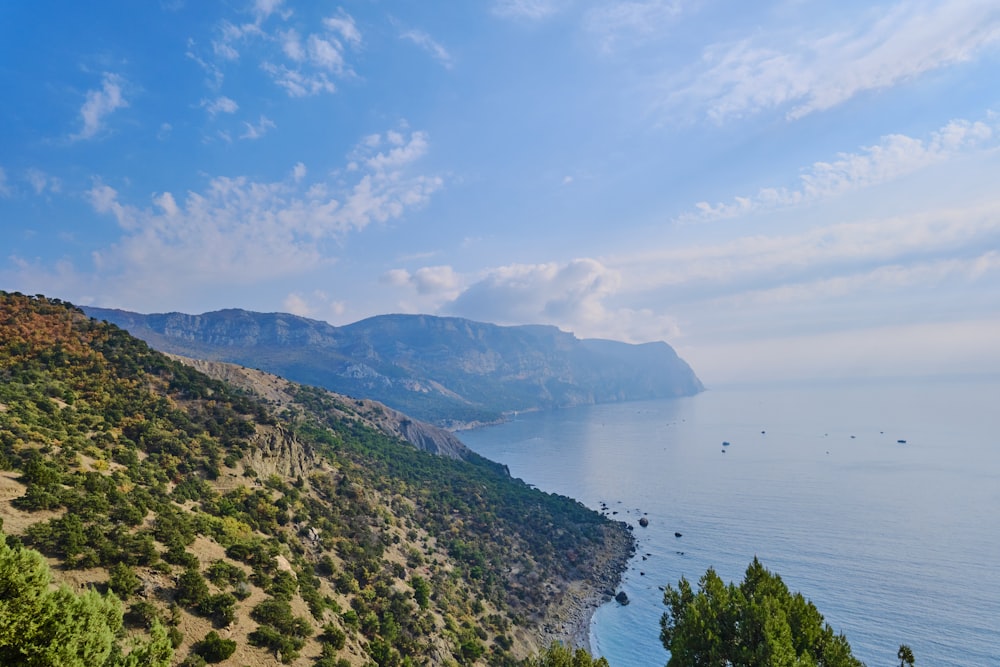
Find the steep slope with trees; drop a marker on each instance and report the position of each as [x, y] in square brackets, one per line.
[256, 531]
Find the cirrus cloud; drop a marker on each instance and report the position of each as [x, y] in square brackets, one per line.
[804, 70]
[894, 156]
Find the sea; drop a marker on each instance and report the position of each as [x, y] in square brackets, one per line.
[878, 500]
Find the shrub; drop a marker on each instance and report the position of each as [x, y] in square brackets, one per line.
[123, 580]
[214, 648]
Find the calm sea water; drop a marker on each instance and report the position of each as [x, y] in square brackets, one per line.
[894, 543]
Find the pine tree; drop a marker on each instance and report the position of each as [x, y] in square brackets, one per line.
[43, 627]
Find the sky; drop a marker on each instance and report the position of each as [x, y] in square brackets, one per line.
[780, 189]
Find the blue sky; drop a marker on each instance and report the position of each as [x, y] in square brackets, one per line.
[779, 189]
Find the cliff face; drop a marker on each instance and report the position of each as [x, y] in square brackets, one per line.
[274, 451]
[448, 371]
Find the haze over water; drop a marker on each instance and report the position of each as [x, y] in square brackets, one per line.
[894, 543]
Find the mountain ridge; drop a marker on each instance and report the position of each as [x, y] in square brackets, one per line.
[446, 370]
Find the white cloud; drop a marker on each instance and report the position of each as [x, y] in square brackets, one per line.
[344, 26]
[316, 304]
[396, 277]
[232, 35]
[740, 262]
[889, 278]
[264, 8]
[212, 71]
[221, 104]
[259, 130]
[428, 44]
[400, 153]
[805, 70]
[291, 44]
[99, 104]
[298, 83]
[895, 155]
[436, 280]
[574, 296]
[240, 231]
[627, 22]
[104, 199]
[528, 9]
[296, 305]
[40, 181]
[298, 59]
[325, 53]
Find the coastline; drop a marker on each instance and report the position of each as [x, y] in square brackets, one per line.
[568, 619]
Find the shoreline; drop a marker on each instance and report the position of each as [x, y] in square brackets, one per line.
[568, 620]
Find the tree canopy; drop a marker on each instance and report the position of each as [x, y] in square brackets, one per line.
[758, 622]
[45, 627]
[558, 655]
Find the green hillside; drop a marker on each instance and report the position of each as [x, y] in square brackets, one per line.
[256, 533]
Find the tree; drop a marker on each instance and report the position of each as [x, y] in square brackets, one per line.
[905, 655]
[421, 591]
[44, 627]
[758, 622]
[558, 655]
[214, 648]
[122, 580]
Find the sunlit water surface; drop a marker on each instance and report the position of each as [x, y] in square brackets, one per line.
[894, 543]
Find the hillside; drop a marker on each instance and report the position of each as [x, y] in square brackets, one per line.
[448, 371]
[280, 393]
[283, 518]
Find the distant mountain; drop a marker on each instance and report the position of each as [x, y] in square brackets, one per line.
[445, 370]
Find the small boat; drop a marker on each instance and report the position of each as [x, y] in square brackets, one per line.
[725, 443]
[902, 442]
[677, 534]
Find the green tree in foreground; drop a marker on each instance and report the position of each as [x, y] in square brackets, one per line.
[43, 627]
[905, 655]
[558, 655]
[756, 623]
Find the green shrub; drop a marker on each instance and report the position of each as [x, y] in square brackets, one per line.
[214, 648]
[192, 591]
[123, 581]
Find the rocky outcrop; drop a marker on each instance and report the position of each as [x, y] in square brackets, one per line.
[421, 435]
[277, 391]
[274, 451]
